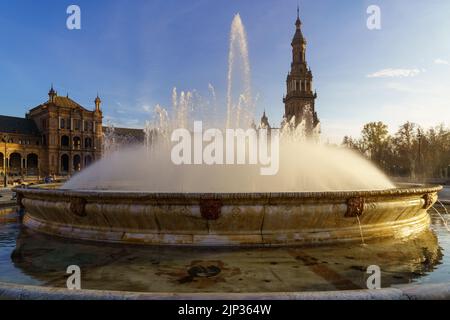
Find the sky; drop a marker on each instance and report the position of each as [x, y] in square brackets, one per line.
[133, 53]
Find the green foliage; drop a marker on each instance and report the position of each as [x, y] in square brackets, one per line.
[410, 152]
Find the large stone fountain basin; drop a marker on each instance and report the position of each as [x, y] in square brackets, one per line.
[262, 219]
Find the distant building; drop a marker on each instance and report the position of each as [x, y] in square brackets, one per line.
[264, 124]
[59, 137]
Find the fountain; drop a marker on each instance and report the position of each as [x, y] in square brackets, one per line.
[153, 229]
[320, 194]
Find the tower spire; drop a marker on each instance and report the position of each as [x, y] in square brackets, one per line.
[98, 102]
[52, 94]
[298, 22]
[300, 97]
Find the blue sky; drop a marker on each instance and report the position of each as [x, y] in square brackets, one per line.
[134, 52]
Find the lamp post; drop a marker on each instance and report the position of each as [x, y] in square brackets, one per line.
[5, 175]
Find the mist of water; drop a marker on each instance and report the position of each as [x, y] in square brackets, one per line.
[303, 167]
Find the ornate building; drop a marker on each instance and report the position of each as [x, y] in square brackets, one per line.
[58, 137]
[300, 98]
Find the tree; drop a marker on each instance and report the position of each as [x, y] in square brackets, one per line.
[412, 152]
[375, 142]
[351, 143]
[405, 142]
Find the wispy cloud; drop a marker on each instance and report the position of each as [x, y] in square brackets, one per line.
[146, 108]
[395, 73]
[442, 61]
[120, 122]
[401, 87]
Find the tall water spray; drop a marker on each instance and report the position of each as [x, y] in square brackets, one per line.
[240, 112]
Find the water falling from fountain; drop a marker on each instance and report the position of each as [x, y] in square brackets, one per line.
[442, 218]
[360, 230]
[444, 207]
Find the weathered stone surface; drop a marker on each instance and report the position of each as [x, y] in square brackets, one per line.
[229, 219]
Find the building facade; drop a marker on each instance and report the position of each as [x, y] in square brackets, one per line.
[59, 137]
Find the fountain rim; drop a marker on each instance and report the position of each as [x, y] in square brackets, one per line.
[439, 291]
[401, 190]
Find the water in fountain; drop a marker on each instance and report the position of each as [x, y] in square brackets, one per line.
[298, 132]
[303, 166]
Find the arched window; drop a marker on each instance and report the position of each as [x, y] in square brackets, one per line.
[77, 143]
[65, 141]
[32, 164]
[15, 163]
[64, 163]
[88, 143]
[77, 163]
[87, 161]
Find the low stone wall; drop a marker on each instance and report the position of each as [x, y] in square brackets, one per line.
[410, 292]
[228, 219]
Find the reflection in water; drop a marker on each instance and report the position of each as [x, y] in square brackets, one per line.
[44, 260]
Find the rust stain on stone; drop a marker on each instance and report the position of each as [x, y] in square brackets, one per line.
[355, 207]
[210, 209]
[77, 207]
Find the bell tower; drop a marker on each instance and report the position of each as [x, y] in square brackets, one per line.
[300, 99]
